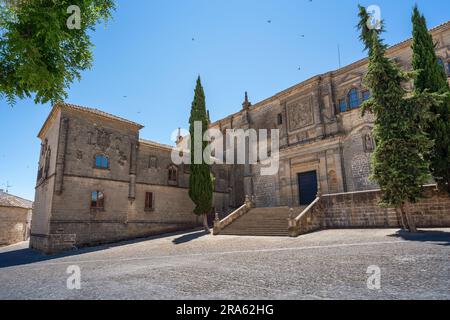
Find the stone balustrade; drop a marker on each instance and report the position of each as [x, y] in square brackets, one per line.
[221, 224]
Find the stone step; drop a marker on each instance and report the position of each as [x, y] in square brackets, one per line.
[261, 222]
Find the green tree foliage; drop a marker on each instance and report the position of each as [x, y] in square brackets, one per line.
[398, 163]
[431, 77]
[201, 183]
[39, 55]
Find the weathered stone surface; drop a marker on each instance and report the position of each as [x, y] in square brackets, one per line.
[315, 135]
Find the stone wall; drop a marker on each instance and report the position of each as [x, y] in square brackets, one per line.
[14, 225]
[361, 210]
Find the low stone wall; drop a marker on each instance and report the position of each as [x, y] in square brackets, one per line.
[361, 210]
[81, 234]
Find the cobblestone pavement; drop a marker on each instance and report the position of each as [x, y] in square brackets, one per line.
[324, 265]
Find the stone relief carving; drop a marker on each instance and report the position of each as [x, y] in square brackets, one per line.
[79, 155]
[48, 154]
[300, 115]
[103, 139]
[368, 143]
[122, 158]
[117, 143]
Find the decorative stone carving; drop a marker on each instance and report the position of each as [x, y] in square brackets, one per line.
[368, 143]
[117, 143]
[79, 155]
[103, 139]
[300, 115]
[122, 158]
[48, 154]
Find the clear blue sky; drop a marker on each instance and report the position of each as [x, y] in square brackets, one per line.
[147, 54]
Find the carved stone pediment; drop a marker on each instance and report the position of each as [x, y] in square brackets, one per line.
[300, 114]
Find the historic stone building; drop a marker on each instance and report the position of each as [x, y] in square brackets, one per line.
[15, 218]
[99, 182]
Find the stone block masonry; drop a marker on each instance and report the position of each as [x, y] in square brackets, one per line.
[362, 210]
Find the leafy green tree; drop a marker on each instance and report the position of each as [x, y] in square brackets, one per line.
[44, 47]
[431, 77]
[201, 182]
[398, 163]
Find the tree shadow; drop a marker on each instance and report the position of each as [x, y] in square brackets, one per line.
[439, 237]
[189, 237]
[24, 256]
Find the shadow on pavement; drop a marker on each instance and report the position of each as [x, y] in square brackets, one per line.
[189, 237]
[440, 237]
[24, 256]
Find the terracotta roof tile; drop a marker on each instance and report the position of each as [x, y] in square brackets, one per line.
[8, 200]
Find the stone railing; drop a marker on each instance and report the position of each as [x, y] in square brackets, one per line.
[219, 225]
[307, 221]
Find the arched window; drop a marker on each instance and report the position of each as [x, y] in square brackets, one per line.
[173, 175]
[101, 162]
[353, 99]
[97, 200]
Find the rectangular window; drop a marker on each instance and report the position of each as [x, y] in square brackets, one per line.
[149, 201]
[280, 119]
[97, 200]
[342, 105]
[101, 162]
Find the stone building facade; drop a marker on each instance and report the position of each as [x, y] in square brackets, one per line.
[99, 182]
[324, 138]
[15, 219]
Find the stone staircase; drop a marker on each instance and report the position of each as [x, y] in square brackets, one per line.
[260, 222]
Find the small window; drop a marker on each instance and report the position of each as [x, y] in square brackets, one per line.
[353, 99]
[280, 119]
[173, 175]
[448, 67]
[342, 105]
[366, 95]
[441, 63]
[101, 162]
[149, 201]
[97, 200]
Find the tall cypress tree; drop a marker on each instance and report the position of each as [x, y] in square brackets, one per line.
[431, 77]
[398, 163]
[201, 186]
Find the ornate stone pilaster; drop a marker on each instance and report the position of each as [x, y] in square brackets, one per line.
[133, 170]
[61, 156]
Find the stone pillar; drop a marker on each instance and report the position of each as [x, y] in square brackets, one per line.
[322, 174]
[61, 156]
[339, 171]
[133, 170]
[216, 228]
